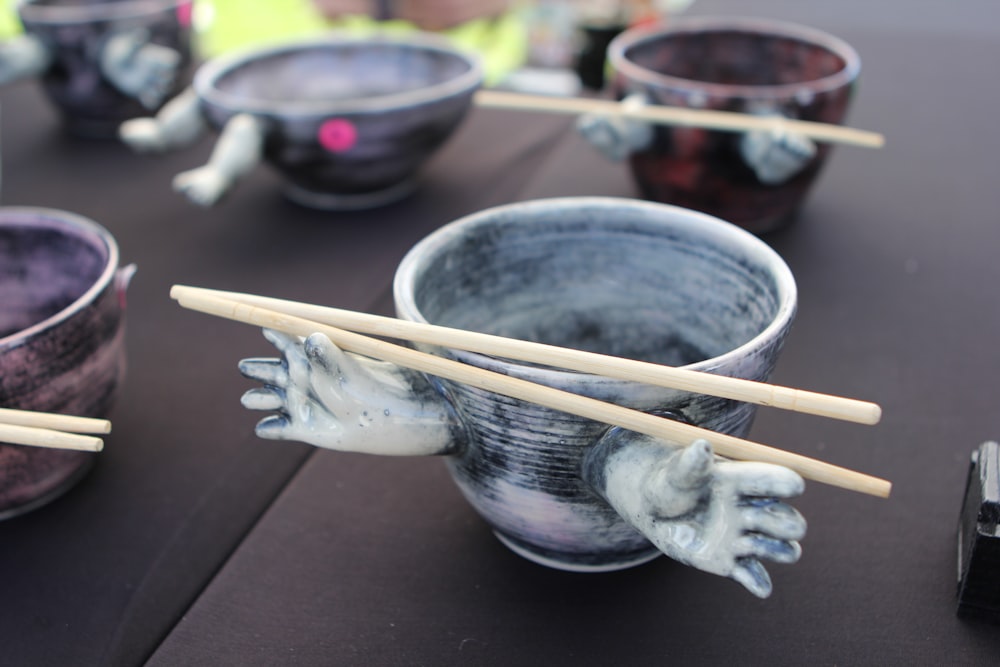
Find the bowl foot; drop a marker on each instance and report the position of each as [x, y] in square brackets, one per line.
[331, 201]
[577, 562]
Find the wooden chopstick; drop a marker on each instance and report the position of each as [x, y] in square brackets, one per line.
[582, 406]
[47, 429]
[54, 421]
[727, 121]
[738, 389]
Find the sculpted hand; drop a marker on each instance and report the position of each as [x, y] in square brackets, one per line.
[333, 399]
[179, 123]
[22, 57]
[719, 516]
[140, 68]
[203, 185]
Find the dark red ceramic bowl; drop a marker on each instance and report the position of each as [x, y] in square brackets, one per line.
[742, 65]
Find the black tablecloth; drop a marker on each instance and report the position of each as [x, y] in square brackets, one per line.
[198, 544]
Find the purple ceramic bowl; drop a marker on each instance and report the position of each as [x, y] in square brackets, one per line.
[61, 339]
[743, 65]
[75, 32]
[349, 120]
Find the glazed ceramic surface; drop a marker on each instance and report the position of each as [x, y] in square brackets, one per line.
[617, 276]
[626, 279]
[754, 66]
[61, 339]
[95, 88]
[347, 121]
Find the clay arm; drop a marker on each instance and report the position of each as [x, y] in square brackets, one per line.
[333, 399]
[179, 123]
[140, 68]
[775, 155]
[719, 516]
[618, 136]
[237, 151]
[22, 57]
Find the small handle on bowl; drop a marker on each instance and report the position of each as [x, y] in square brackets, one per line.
[123, 278]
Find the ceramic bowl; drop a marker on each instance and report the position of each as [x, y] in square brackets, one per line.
[103, 61]
[616, 276]
[754, 66]
[347, 121]
[61, 339]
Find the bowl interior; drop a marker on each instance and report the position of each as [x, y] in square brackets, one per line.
[44, 267]
[607, 280]
[736, 57]
[339, 72]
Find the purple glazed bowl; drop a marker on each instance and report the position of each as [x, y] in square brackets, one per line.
[76, 31]
[741, 65]
[61, 340]
[349, 121]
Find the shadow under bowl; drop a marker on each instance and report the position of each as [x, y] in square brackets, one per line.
[61, 340]
[349, 121]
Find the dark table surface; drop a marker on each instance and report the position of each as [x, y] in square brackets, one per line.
[194, 543]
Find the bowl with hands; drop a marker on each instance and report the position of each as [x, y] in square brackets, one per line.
[101, 62]
[764, 69]
[346, 120]
[622, 277]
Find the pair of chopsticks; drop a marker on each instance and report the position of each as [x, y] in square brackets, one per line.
[726, 121]
[56, 431]
[340, 326]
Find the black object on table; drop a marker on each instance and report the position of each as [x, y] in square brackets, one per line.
[979, 538]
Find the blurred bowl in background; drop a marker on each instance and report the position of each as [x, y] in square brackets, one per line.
[101, 62]
[757, 180]
[347, 121]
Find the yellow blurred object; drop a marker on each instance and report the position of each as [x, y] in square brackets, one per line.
[224, 25]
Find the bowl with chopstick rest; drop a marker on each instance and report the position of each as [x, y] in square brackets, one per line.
[62, 330]
[346, 120]
[101, 62]
[763, 68]
[617, 276]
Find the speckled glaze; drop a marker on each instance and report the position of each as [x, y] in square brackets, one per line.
[61, 340]
[348, 121]
[731, 64]
[622, 277]
[75, 33]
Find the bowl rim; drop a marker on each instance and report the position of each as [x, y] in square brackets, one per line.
[707, 226]
[30, 11]
[632, 37]
[205, 78]
[83, 226]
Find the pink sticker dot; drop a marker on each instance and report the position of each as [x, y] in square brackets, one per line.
[338, 135]
[184, 14]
